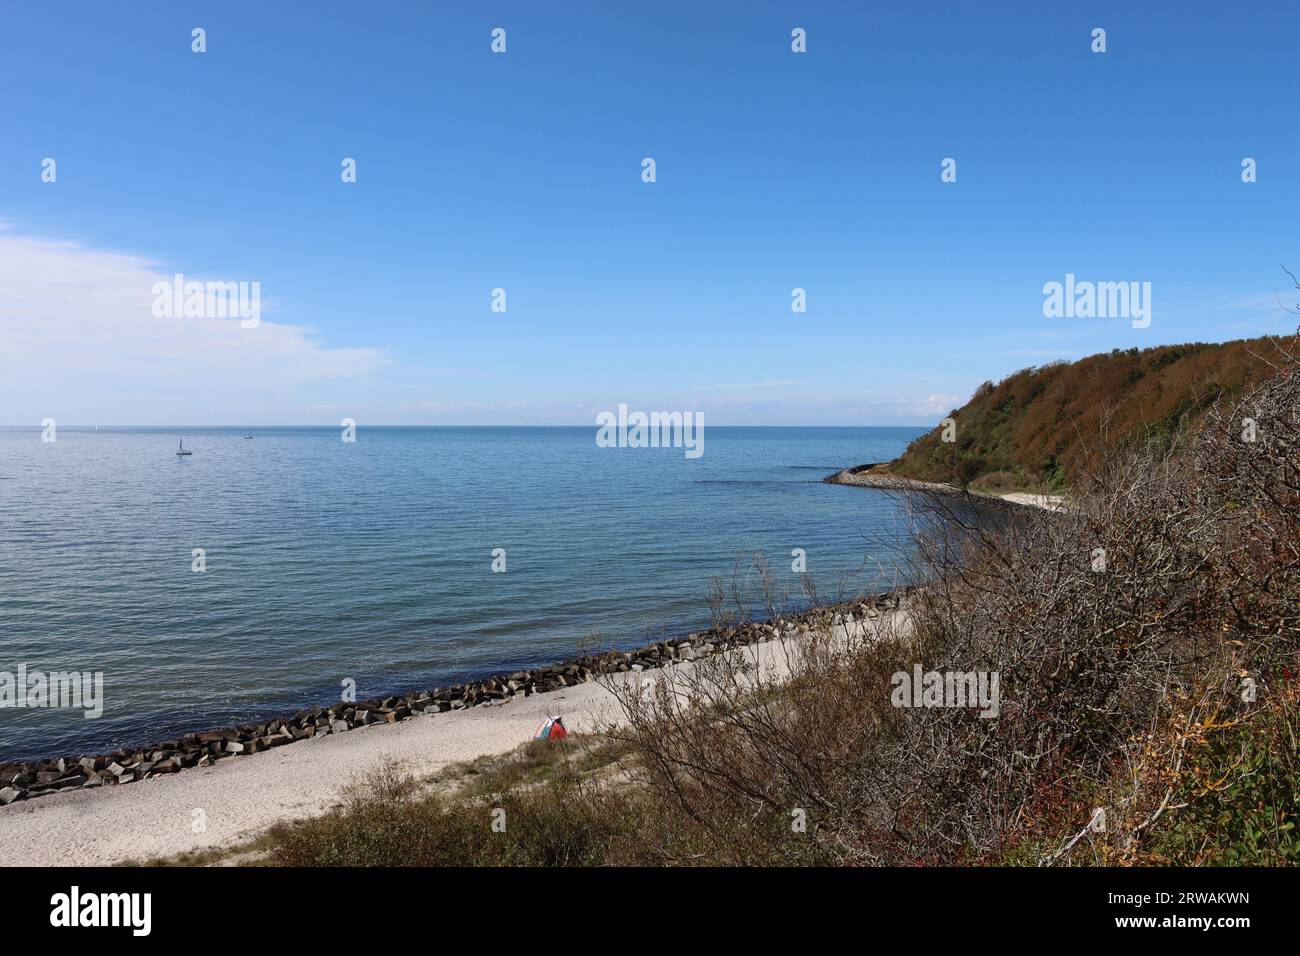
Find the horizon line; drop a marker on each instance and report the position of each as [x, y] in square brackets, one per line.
[359, 426]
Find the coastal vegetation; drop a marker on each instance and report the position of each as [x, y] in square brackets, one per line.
[1145, 640]
[1045, 427]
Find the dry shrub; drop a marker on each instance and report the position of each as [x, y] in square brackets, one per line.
[388, 818]
[764, 754]
[1127, 633]
[1123, 632]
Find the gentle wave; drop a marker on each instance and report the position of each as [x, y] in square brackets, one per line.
[373, 561]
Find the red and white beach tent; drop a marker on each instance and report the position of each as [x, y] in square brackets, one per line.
[553, 729]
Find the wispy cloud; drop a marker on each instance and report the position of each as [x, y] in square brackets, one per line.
[81, 344]
[1034, 353]
[741, 386]
[935, 404]
[1278, 302]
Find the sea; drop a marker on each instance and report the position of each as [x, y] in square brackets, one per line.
[273, 566]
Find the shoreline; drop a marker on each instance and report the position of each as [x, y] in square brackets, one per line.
[237, 800]
[862, 476]
[24, 781]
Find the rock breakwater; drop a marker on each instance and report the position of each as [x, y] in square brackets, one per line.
[21, 781]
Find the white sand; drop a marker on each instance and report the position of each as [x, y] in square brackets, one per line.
[241, 796]
[1047, 502]
[888, 482]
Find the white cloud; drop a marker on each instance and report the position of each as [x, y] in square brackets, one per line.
[1277, 303]
[914, 407]
[775, 383]
[79, 342]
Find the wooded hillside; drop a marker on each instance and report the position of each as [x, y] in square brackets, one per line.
[1044, 425]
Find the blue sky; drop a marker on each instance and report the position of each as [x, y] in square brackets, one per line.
[522, 171]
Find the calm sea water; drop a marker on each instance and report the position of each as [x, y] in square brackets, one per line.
[373, 561]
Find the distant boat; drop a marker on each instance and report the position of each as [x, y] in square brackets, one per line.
[248, 436]
[180, 448]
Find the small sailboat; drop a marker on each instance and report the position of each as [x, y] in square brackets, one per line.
[180, 448]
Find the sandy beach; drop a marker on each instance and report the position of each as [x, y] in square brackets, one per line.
[241, 797]
[863, 476]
